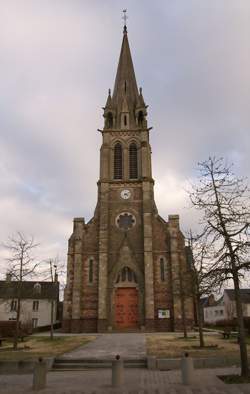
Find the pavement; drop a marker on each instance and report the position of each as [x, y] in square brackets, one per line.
[137, 381]
[107, 346]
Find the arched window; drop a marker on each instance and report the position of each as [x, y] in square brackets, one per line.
[91, 271]
[126, 275]
[133, 161]
[109, 120]
[118, 161]
[162, 269]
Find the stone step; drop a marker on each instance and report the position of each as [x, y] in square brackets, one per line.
[63, 364]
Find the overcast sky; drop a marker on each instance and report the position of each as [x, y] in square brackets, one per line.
[58, 59]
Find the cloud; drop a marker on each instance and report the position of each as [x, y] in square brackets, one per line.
[58, 60]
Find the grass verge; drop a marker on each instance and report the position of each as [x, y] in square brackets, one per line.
[171, 346]
[234, 379]
[34, 347]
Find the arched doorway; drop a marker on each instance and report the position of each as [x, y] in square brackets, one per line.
[126, 300]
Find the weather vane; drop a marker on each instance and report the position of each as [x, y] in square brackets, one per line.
[125, 17]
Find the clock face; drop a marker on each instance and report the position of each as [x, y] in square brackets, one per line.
[125, 194]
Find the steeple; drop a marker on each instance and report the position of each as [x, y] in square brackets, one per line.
[125, 93]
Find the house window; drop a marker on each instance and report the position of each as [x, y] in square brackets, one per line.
[133, 162]
[162, 269]
[34, 323]
[13, 306]
[35, 306]
[118, 161]
[91, 273]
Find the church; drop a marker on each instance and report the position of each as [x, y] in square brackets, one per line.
[128, 268]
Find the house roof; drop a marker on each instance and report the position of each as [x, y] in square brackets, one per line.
[48, 290]
[244, 293]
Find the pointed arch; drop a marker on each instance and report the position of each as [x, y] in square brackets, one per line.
[133, 161]
[118, 158]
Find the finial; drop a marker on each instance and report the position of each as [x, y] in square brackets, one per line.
[109, 92]
[125, 17]
[140, 91]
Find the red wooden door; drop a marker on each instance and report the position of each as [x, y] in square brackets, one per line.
[126, 307]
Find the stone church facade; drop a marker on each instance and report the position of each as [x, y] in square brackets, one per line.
[127, 267]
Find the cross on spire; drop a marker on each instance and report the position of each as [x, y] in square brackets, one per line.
[125, 17]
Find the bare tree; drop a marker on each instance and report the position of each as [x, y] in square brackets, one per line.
[223, 199]
[52, 271]
[21, 266]
[203, 284]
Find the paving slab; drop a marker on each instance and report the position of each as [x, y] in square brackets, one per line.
[107, 346]
[136, 382]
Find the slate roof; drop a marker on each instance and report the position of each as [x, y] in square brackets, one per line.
[49, 290]
[245, 295]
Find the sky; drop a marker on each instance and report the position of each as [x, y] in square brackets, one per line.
[58, 60]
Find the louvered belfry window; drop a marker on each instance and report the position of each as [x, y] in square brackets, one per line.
[133, 162]
[118, 161]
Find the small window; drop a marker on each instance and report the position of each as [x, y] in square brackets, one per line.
[13, 306]
[34, 323]
[162, 269]
[91, 273]
[35, 306]
[124, 272]
[125, 120]
[130, 275]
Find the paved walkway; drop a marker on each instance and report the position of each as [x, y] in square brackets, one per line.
[109, 345]
[137, 381]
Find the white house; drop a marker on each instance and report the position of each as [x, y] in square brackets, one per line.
[215, 312]
[225, 308]
[36, 302]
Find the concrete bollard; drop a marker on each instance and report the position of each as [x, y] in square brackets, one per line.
[187, 369]
[117, 372]
[39, 375]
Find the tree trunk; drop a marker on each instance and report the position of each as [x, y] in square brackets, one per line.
[183, 312]
[242, 335]
[200, 320]
[16, 335]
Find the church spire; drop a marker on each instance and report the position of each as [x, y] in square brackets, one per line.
[126, 107]
[125, 81]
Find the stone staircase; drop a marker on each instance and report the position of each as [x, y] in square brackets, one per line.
[73, 364]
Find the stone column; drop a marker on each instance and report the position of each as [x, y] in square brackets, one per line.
[145, 156]
[125, 163]
[105, 158]
[174, 257]
[77, 283]
[103, 258]
[67, 302]
[148, 256]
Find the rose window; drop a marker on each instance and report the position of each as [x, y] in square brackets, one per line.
[125, 221]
